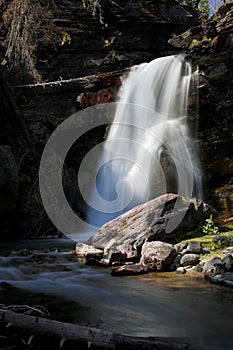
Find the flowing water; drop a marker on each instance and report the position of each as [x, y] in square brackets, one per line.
[149, 150]
[158, 304]
[153, 113]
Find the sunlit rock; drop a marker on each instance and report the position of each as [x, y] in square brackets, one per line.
[162, 218]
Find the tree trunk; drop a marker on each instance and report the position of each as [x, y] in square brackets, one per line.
[41, 333]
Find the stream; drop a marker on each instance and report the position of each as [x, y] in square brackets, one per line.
[46, 272]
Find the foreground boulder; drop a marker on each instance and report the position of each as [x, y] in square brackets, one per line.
[162, 218]
[157, 255]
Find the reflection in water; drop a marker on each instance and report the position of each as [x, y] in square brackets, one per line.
[158, 304]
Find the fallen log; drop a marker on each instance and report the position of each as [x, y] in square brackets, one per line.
[71, 336]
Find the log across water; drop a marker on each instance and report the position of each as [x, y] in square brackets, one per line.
[36, 332]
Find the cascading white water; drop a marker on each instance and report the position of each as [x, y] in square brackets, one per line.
[149, 130]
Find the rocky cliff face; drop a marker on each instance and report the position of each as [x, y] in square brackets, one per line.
[61, 56]
[78, 53]
[210, 46]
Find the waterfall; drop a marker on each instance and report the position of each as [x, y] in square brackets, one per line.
[148, 150]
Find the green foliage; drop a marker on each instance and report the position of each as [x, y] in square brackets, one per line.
[227, 242]
[84, 4]
[209, 227]
[204, 6]
[66, 39]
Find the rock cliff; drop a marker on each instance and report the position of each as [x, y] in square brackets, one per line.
[73, 58]
[210, 46]
[76, 57]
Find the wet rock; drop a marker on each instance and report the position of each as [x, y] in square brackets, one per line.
[92, 262]
[205, 250]
[176, 263]
[157, 255]
[85, 251]
[108, 246]
[114, 255]
[207, 265]
[5, 285]
[180, 246]
[224, 279]
[228, 250]
[215, 270]
[128, 252]
[228, 262]
[128, 270]
[181, 270]
[194, 247]
[105, 262]
[160, 219]
[189, 259]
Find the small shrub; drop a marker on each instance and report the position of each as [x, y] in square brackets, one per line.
[209, 227]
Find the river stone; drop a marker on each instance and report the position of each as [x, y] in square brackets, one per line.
[176, 263]
[181, 270]
[127, 270]
[209, 264]
[228, 250]
[228, 262]
[114, 255]
[194, 247]
[189, 259]
[128, 252]
[180, 246]
[157, 255]
[225, 279]
[162, 218]
[89, 252]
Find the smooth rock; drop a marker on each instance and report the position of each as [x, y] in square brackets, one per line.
[127, 270]
[176, 263]
[189, 259]
[108, 246]
[114, 255]
[157, 255]
[85, 251]
[181, 270]
[161, 219]
[105, 262]
[92, 262]
[180, 246]
[211, 263]
[206, 250]
[224, 279]
[194, 247]
[228, 250]
[228, 262]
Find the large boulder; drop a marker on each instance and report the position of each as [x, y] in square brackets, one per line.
[162, 218]
[157, 255]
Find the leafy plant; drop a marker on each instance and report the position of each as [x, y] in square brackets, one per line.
[209, 227]
[66, 39]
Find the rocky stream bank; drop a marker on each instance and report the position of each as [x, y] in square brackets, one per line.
[137, 242]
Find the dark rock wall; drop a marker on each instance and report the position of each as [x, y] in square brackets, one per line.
[85, 53]
[210, 46]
